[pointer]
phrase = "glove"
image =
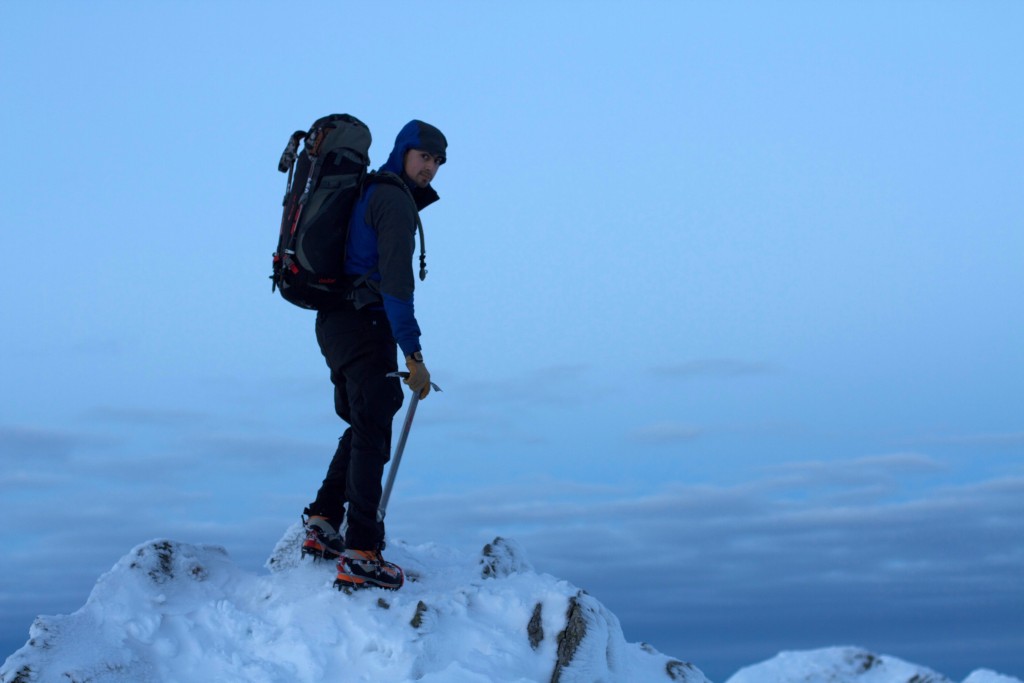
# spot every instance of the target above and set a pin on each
(419, 377)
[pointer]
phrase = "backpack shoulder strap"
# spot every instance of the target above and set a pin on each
(389, 178)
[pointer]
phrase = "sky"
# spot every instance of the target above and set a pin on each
(722, 300)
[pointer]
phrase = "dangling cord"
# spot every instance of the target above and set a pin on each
(419, 225)
(423, 249)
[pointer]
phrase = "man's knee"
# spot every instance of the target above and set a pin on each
(382, 399)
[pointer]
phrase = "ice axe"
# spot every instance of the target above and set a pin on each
(396, 459)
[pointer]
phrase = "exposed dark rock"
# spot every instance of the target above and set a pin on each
(866, 661)
(682, 671)
(570, 638)
(503, 557)
(24, 675)
(535, 629)
(163, 569)
(417, 618)
(162, 561)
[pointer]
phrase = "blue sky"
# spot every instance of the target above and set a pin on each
(723, 298)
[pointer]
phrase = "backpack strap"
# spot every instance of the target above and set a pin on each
(393, 179)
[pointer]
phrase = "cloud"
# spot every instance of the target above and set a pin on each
(714, 368)
(854, 476)
(27, 444)
(258, 450)
(99, 347)
(523, 409)
(88, 349)
(146, 417)
(552, 385)
(871, 465)
(987, 441)
(665, 432)
(20, 480)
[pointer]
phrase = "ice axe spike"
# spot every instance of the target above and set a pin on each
(396, 459)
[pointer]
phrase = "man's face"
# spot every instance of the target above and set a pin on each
(421, 167)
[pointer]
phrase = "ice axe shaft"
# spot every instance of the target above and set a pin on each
(396, 459)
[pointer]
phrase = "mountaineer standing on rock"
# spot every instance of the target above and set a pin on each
(359, 342)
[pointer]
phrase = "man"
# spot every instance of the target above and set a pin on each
(358, 342)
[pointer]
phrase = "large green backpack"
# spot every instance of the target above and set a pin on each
(324, 182)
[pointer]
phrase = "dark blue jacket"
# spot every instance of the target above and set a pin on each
(382, 236)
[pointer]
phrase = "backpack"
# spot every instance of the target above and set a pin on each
(324, 183)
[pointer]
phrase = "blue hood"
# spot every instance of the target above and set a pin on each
(415, 135)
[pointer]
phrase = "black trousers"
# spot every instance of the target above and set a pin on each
(360, 350)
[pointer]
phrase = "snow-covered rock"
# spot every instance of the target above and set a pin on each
(988, 676)
(848, 665)
(170, 611)
(835, 665)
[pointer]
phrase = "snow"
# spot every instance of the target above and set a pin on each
(849, 665)
(836, 665)
(171, 611)
(987, 676)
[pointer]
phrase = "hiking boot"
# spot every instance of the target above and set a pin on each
(366, 568)
(322, 540)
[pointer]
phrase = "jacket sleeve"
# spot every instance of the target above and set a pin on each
(393, 216)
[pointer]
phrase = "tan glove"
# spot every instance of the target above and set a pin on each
(419, 377)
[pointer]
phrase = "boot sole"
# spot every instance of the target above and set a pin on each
(349, 585)
(319, 553)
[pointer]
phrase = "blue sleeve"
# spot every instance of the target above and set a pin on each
(403, 323)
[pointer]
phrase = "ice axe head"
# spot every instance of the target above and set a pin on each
(405, 375)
